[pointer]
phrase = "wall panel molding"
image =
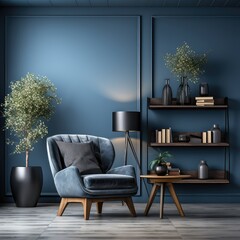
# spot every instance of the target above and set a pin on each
(219, 36)
(111, 59)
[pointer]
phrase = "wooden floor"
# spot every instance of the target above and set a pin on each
(202, 221)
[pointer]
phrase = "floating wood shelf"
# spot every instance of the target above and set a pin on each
(215, 177)
(156, 103)
(205, 181)
(186, 107)
(189, 144)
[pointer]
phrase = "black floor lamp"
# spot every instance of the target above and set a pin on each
(126, 122)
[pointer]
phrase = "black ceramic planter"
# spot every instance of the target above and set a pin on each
(26, 184)
(161, 170)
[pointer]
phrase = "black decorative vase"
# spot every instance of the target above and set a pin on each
(203, 170)
(203, 89)
(161, 170)
(216, 134)
(167, 94)
(183, 92)
(26, 184)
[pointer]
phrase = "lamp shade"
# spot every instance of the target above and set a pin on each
(125, 121)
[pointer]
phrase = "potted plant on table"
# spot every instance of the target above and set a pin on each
(159, 163)
(186, 65)
(26, 108)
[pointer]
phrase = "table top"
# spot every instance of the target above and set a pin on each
(152, 176)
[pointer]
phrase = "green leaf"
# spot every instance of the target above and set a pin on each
(160, 159)
(186, 63)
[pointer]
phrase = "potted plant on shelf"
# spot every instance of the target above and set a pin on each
(26, 108)
(186, 65)
(159, 163)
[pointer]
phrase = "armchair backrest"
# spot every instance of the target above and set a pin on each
(103, 148)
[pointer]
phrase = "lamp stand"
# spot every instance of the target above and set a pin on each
(128, 140)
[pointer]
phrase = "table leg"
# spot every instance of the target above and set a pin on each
(151, 198)
(175, 199)
(162, 199)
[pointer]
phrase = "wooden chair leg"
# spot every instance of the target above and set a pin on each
(87, 208)
(63, 205)
(99, 207)
(87, 203)
(130, 205)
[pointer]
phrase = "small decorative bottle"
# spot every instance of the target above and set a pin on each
(203, 89)
(187, 92)
(203, 170)
(216, 134)
(183, 92)
(179, 92)
(167, 94)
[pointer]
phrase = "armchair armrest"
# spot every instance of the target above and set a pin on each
(124, 170)
(71, 178)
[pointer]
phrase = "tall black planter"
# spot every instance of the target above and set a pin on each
(26, 184)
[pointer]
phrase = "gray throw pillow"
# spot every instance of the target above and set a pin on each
(80, 155)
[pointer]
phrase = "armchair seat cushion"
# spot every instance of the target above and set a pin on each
(108, 181)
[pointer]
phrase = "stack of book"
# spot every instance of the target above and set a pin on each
(204, 101)
(164, 135)
(207, 137)
(174, 171)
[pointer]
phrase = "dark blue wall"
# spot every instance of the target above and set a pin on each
(2, 84)
(104, 60)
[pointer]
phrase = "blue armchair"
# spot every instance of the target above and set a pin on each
(73, 186)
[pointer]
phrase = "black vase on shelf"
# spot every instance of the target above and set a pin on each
(161, 169)
(167, 94)
(216, 134)
(203, 170)
(179, 91)
(203, 89)
(183, 92)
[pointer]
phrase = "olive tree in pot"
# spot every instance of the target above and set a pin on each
(26, 108)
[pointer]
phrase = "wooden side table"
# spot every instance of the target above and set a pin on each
(161, 182)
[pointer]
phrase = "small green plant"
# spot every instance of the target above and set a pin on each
(26, 108)
(186, 63)
(160, 159)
